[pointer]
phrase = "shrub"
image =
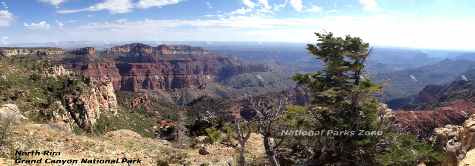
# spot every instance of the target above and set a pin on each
(214, 135)
(5, 132)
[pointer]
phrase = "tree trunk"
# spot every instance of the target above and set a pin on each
(242, 142)
(270, 151)
(242, 158)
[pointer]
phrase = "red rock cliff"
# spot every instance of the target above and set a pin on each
(137, 67)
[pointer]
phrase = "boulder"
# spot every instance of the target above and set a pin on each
(10, 112)
(123, 133)
(203, 151)
(458, 141)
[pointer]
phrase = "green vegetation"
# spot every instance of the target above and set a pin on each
(41, 98)
(405, 150)
(135, 121)
(214, 135)
(22, 83)
(343, 100)
(6, 126)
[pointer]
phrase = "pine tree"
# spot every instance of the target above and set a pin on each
(342, 101)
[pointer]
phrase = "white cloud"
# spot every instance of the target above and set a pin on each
(370, 5)
(264, 4)
(314, 9)
(241, 11)
(156, 3)
(374, 29)
(4, 40)
(249, 3)
(43, 25)
(260, 7)
(297, 5)
(113, 6)
(4, 5)
(123, 6)
(53, 2)
(277, 7)
(60, 24)
(6, 18)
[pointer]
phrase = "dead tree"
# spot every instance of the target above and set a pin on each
(268, 110)
(243, 133)
(180, 129)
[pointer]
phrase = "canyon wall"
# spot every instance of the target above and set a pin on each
(136, 67)
(139, 49)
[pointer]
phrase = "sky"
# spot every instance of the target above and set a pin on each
(439, 24)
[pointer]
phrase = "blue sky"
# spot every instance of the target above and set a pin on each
(443, 24)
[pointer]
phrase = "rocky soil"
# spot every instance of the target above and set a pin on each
(118, 144)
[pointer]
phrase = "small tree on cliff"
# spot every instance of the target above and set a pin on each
(269, 111)
(341, 99)
(179, 99)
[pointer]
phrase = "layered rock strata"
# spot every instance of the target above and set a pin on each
(138, 67)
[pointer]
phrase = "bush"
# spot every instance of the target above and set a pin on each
(172, 157)
(214, 135)
(407, 150)
(5, 132)
(134, 121)
(5, 129)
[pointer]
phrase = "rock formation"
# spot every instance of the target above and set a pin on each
(88, 51)
(10, 113)
(17, 51)
(137, 67)
(457, 142)
(139, 49)
(56, 71)
(86, 108)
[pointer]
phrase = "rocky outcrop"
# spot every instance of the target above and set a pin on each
(22, 51)
(86, 107)
(10, 113)
(457, 142)
(423, 122)
(56, 71)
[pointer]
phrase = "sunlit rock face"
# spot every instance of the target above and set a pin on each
(87, 107)
(135, 67)
(12, 51)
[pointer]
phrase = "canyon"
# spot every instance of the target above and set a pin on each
(438, 105)
(139, 67)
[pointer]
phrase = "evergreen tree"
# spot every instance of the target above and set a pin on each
(342, 102)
